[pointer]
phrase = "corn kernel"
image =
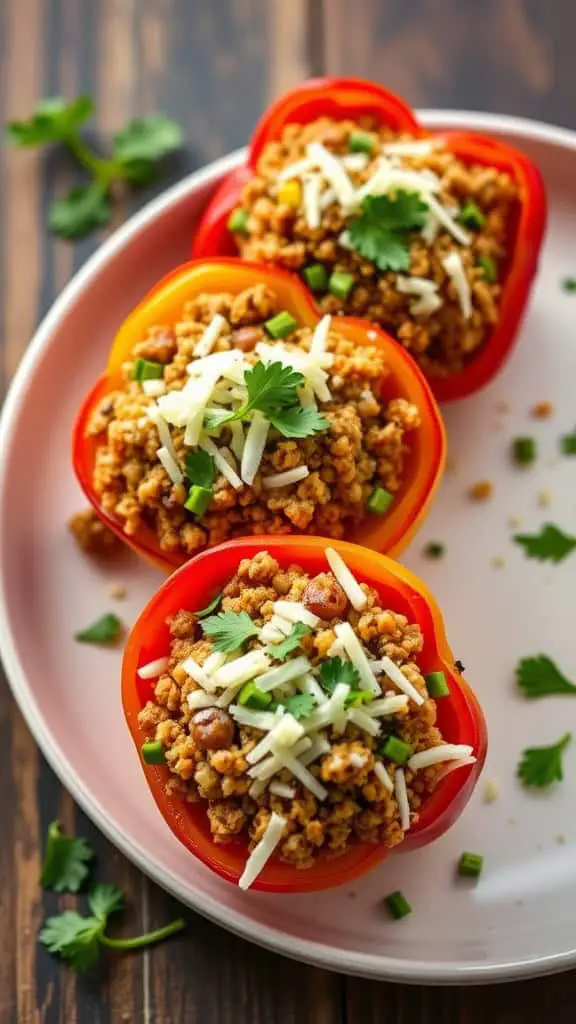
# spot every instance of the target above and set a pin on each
(290, 193)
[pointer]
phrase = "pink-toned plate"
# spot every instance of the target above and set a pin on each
(519, 920)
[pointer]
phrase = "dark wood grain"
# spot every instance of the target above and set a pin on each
(213, 66)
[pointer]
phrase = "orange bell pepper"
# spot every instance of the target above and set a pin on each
(424, 465)
(459, 718)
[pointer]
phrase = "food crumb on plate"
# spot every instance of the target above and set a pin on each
(544, 497)
(514, 522)
(491, 791)
(561, 838)
(451, 466)
(511, 820)
(498, 561)
(117, 591)
(542, 410)
(502, 406)
(91, 535)
(482, 490)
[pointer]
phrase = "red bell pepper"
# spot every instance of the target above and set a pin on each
(163, 305)
(350, 98)
(459, 715)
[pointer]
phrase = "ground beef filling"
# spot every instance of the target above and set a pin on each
(365, 446)
(206, 750)
(442, 342)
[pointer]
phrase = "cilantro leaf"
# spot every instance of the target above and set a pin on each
(301, 705)
(540, 677)
(334, 671)
(541, 766)
(200, 468)
(568, 444)
(146, 139)
(75, 938)
(210, 607)
(281, 650)
(52, 121)
(380, 233)
(229, 630)
(105, 900)
(298, 422)
(66, 860)
(550, 545)
(82, 209)
(272, 386)
(106, 630)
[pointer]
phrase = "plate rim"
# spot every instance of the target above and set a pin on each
(366, 965)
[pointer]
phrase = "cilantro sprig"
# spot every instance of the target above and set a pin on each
(551, 544)
(200, 468)
(540, 677)
(300, 705)
(381, 232)
(281, 650)
(541, 766)
(66, 861)
(136, 152)
(273, 391)
(229, 631)
(105, 630)
(334, 671)
(78, 938)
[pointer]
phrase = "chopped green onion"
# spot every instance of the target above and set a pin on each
(470, 865)
(523, 450)
(360, 142)
(434, 549)
(341, 284)
(198, 499)
(398, 905)
(316, 277)
(358, 697)
(379, 501)
(281, 325)
(238, 221)
(436, 684)
(251, 696)
(396, 750)
(153, 752)
(569, 284)
(568, 444)
(487, 264)
(106, 630)
(471, 215)
(145, 369)
(210, 607)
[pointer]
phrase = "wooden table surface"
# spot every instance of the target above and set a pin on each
(214, 65)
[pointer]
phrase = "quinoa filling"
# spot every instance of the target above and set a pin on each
(299, 710)
(236, 420)
(388, 227)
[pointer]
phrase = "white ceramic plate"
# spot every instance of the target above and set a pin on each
(521, 919)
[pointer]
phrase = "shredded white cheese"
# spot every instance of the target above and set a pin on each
(401, 794)
(345, 240)
(200, 699)
(268, 767)
(221, 463)
(454, 267)
(264, 720)
(154, 388)
(435, 755)
(397, 676)
(319, 746)
(214, 661)
(262, 851)
(327, 198)
(197, 673)
(285, 479)
(387, 706)
(447, 221)
(364, 721)
(170, 465)
(355, 652)
(294, 611)
(296, 170)
(299, 771)
(311, 188)
(347, 581)
(242, 669)
(333, 171)
(383, 777)
(269, 634)
(210, 336)
(320, 336)
(282, 789)
(333, 712)
(308, 684)
(451, 766)
(355, 161)
(153, 669)
(238, 439)
(254, 447)
(281, 624)
(416, 147)
(284, 673)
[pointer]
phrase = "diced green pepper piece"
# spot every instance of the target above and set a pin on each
(238, 221)
(471, 216)
(281, 325)
(198, 499)
(341, 284)
(153, 752)
(489, 267)
(524, 450)
(398, 905)
(316, 277)
(470, 865)
(436, 684)
(396, 750)
(251, 696)
(379, 501)
(145, 369)
(361, 142)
